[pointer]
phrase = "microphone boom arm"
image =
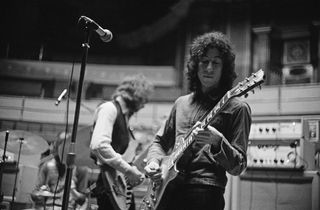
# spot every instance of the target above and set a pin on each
(105, 34)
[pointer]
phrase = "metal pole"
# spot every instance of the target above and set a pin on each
(71, 155)
(17, 171)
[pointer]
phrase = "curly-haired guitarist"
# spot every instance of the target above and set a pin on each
(217, 149)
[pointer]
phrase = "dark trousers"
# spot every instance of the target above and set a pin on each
(103, 199)
(195, 197)
(104, 203)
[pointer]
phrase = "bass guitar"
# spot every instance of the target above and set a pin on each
(153, 199)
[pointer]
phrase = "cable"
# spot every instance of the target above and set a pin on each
(67, 111)
(66, 129)
(251, 191)
(276, 195)
(251, 176)
(276, 181)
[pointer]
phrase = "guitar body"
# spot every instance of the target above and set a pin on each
(120, 194)
(157, 196)
(117, 188)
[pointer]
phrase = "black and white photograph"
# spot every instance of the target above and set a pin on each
(160, 105)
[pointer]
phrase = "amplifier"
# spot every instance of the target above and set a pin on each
(275, 145)
(24, 177)
(25, 182)
(275, 153)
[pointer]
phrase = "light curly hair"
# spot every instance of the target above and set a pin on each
(135, 90)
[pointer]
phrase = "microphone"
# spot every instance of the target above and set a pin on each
(64, 92)
(105, 34)
(294, 144)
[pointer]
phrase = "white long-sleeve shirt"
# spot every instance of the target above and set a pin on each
(104, 119)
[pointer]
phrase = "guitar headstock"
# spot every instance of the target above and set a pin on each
(242, 88)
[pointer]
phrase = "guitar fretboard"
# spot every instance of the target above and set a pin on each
(190, 137)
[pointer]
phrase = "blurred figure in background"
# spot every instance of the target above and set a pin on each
(48, 192)
(111, 136)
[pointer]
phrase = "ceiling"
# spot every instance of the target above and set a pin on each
(53, 26)
(141, 28)
(48, 20)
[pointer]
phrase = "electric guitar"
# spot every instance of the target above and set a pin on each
(154, 197)
(117, 187)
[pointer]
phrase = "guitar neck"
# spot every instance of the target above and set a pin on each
(190, 136)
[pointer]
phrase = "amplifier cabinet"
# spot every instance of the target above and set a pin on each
(26, 180)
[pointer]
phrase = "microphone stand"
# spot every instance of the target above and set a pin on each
(16, 176)
(70, 160)
(4, 157)
(3, 164)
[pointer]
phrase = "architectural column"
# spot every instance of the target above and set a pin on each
(261, 51)
(238, 28)
(316, 25)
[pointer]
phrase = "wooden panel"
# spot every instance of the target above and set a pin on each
(101, 74)
(268, 196)
(240, 24)
(44, 110)
(41, 104)
(272, 101)
(10, 114)
(285, 100)
(274, 189)
(26, 180)
(11, 101)
(7, 125)
(43, 117)
(300, 99)
(285, 190)
(264, 101)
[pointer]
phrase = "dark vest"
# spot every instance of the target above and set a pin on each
(121, 133)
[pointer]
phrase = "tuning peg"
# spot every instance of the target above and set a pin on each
(252, 91)
(246, 95)
(260, 87)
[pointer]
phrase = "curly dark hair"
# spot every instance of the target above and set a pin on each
(198, 49)
(135, 91)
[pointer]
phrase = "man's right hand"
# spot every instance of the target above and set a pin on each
(153, 170)
(134, 176)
